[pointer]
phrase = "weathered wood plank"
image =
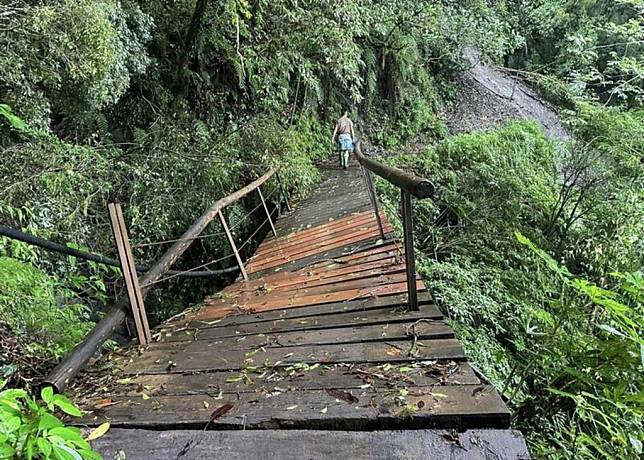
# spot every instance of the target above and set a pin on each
(312, 278)
(330, 229)
(358, 236)
(458, 407)
(159, 361)
(350, 248)
(426, 330)
(208, 330)
(310, 444)
(361, 305)
(386, 286)
(298, 377)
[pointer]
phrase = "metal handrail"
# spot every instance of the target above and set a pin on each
(81, 354)
(417, 186)
(409, 185)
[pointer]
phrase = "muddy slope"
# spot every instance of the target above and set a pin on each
(489, 97)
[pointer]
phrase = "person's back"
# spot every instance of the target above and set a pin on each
(345, 135)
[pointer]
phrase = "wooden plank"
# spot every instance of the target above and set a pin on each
(263, 296)
(457, 407)
(341, 319)
(160, 362)
(285, 257)
(318, 233)
(300, 300)
(359, 257)
(360, 305)
(302, 378)
(434, 329)
(233, 246)
(351, 248)
(311, 279)
(130, 275)
(142, 444)
(294, 250)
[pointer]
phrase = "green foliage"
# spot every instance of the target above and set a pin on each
(595, 46)
(30, 430)
(565, 349)
(41, 310)
(68, 57)
(593, 357)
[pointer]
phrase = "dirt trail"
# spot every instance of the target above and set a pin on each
(489, 97)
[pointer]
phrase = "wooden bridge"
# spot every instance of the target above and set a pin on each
(315, 355)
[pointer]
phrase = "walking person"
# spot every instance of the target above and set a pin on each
(345, 137)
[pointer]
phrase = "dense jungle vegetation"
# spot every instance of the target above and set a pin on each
(534, 246)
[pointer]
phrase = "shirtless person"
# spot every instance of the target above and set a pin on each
(344, 132)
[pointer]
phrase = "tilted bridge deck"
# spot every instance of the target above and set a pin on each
(317, 339)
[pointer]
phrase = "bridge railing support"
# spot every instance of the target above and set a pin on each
(80, 355)
(409, 185)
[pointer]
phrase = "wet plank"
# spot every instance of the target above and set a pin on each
(457, 407)
(384, 286)
(317, 339)
(202, 359)
(301, 377)
(429, 330)
(361, 305)
(311, 444)
(208, 330)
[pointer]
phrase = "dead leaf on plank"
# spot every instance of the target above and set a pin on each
(104, 403)
(220, 411)
(343, 395)
(393, 351)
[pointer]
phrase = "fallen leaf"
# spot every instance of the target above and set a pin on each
(104, 403)
(323, 411)
(210, 323)
(393, 351)
(221, 410)
(291, 407)
(206, 404)
(98, 432)
(145, 396)
(343, 395)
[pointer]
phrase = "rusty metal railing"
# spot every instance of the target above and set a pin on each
(80, 355)
(409, 185)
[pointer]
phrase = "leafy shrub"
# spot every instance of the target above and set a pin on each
(565, 349)
(29, 304)
(30, 430)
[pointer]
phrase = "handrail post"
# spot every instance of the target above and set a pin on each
(371, 191)
(268, 214)
(69, 367)
(284, 193)
(410, 260)
(129, 273)
(232, 245)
